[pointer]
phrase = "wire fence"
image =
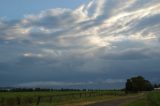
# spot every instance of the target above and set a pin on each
(37, 100)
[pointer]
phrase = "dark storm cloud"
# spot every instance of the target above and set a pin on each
(97, 45)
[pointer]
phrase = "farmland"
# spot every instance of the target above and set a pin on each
(77, 98)
(56, 98)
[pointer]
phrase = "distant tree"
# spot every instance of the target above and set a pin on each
(148, 86)
(155, 86)
(128, 85)
(136, 84)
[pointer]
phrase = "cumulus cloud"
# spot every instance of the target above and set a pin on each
(98, 39)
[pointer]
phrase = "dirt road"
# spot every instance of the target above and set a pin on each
(116, 102)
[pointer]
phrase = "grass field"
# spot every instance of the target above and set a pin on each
(154, 98)
(147, 99)
(56, 98)
(75, 98)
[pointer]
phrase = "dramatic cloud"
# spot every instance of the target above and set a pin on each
(104, 41)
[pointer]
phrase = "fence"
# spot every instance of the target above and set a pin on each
(37, 100)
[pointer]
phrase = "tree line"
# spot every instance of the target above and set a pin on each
(138, 84)
(134, 84)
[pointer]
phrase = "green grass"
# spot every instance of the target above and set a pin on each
(154, 98)
(56, 98)
(80, 102)
(148, 99)
(140, 102)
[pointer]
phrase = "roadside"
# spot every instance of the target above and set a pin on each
(86, 101)
(105, 101)
(148, 99)
(116, 102)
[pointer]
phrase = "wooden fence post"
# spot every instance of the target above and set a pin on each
(30, 100)
(100, 93)
(2, 102)
(80, 95)
(18, 101)
(50, 99)
(72, 95)
(38, 100)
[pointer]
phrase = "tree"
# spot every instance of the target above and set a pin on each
(128, 85)
(148, 86)
(136, 84)
(155, 86)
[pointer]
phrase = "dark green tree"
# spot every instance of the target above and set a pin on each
(128, 85)
(148, 86)
(155, 86)
(136, 84)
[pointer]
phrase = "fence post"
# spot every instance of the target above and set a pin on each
(115, 93)
(80, 95)
(30, 100)
(38, 100)
(50, 99)
(18, 101)
(2, 101)
(73, 95)
(100, 93)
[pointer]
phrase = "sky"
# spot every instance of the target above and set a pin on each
(16, 9)
(93, 44)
